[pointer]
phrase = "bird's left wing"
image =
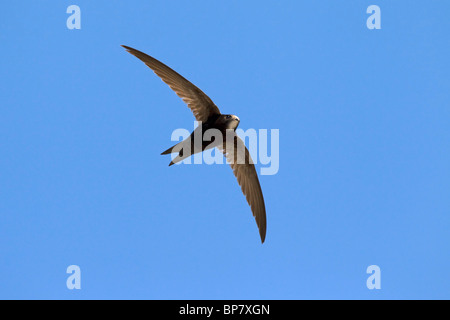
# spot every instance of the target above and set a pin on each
(199, 103)
(241, 162)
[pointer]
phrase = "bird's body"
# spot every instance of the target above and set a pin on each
(210, 118)
(189, 147)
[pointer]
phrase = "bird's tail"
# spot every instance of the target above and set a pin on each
(168, 151)
(178, 148)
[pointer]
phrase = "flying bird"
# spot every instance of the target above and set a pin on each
(208, 114)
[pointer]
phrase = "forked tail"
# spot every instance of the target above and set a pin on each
(168, 151)
(179, 150)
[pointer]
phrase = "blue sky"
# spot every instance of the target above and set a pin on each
(364, 174)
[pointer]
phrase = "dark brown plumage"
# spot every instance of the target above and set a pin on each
(207, 112)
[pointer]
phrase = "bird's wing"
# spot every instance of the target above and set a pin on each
(200, 104)
(241, 162)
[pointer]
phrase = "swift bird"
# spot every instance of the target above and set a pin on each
(208, 114)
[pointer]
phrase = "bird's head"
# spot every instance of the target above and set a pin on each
(229, 121)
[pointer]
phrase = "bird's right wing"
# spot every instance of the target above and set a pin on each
(241, 162)
(200, 104)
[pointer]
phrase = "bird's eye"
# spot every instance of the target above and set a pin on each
(228, 117)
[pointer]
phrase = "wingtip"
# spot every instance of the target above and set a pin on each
(262, 234)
